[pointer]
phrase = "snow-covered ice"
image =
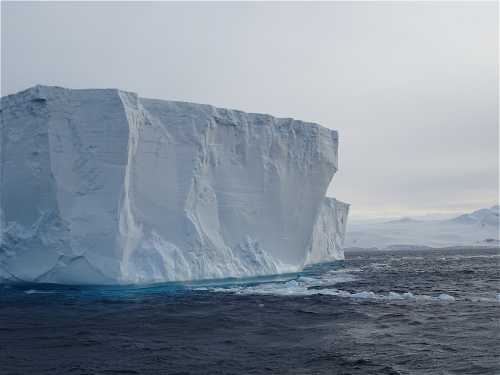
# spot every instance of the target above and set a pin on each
(478, 228)
(102, 186)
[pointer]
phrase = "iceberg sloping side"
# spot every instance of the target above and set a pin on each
(101, 186)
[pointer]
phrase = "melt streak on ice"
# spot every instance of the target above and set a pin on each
(102, 186)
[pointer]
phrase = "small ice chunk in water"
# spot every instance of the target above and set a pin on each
(364, 295)
(446, 297)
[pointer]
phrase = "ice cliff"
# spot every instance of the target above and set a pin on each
(102, 186)
(328, 232)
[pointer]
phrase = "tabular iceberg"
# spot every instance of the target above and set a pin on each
(102, 186)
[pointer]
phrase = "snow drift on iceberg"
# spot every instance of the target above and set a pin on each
(101, 186)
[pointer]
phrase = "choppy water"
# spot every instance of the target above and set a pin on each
(420, 312)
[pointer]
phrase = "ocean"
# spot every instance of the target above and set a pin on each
(411, 312)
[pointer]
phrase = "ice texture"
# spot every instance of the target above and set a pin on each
(102, 186)
(329, 232)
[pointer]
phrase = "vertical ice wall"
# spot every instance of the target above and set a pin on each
(102, 186)
(64, 154)
(329, 232)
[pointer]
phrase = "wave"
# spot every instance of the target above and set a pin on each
(322, 285)
(34, 291)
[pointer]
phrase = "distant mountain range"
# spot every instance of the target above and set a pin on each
(483, 217)
(477, 228)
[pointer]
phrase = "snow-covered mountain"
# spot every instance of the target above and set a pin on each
(102, 186)
(483, 218)
(478, 228)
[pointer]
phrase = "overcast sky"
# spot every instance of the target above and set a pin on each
(412, 88)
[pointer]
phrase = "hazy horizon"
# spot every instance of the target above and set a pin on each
(412, 88)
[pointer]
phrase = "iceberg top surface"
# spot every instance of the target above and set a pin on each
(43, 92)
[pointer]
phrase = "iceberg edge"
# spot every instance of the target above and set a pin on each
(100, 186)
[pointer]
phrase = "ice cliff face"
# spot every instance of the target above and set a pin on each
(329, 232)
(101, 186)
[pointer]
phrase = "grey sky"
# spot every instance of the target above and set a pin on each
(412, 88)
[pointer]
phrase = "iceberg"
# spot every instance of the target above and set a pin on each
(100, 186)
(329, 232)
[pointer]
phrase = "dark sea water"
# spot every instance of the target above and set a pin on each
(412, 312)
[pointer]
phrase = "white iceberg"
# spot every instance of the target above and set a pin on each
(101, 186)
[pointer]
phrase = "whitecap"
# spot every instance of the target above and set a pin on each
(446, 297)
(365, 295)
(33, 291)
(401, 296)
